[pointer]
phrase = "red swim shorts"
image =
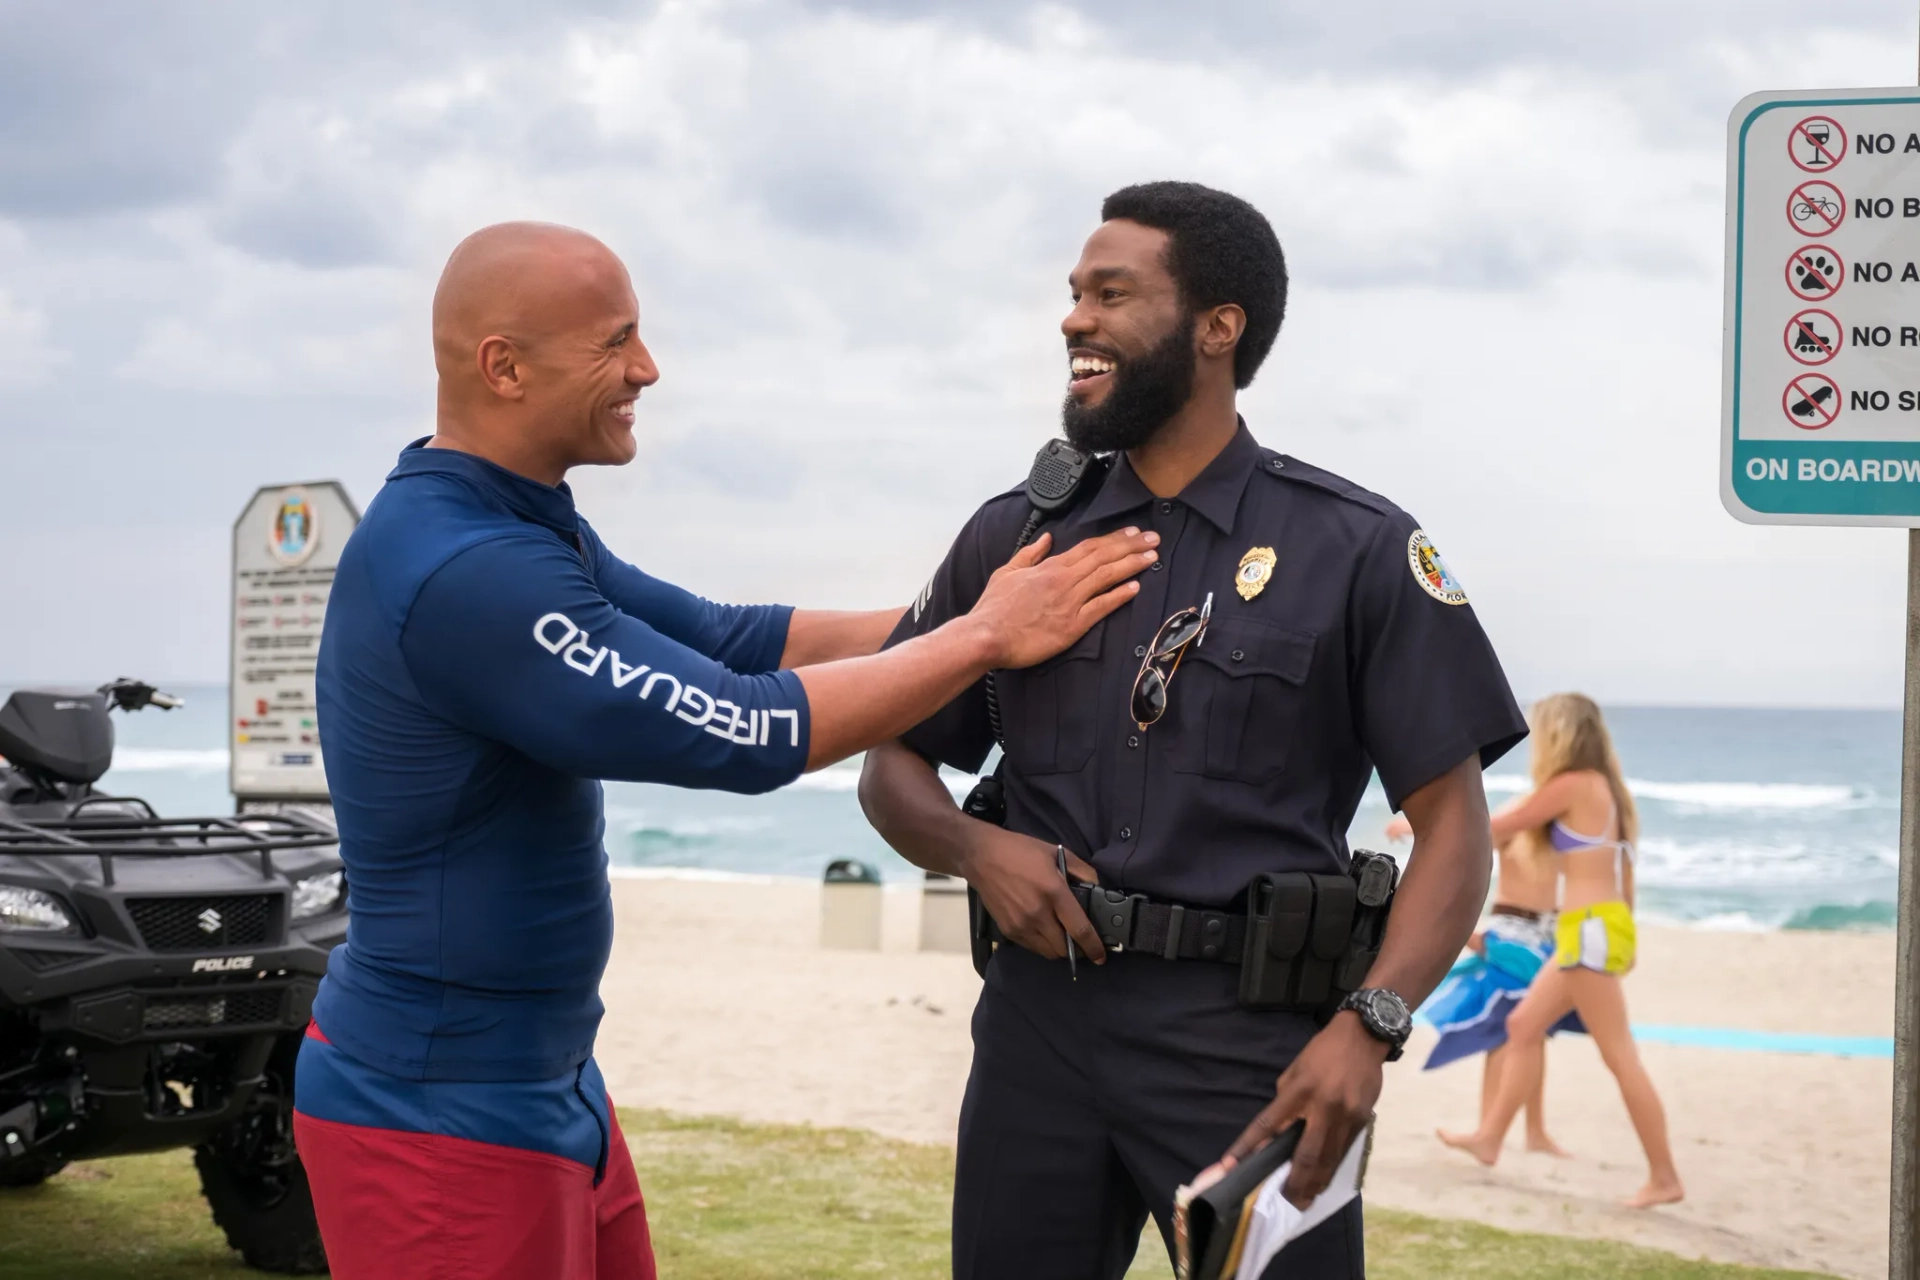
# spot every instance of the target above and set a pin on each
(395, 1205)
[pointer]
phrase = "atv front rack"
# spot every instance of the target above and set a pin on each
(117, 835)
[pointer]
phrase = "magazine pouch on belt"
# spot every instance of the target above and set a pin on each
(1299, 929)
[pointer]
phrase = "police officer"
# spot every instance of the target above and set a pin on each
(1296, 634)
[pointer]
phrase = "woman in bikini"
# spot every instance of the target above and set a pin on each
(1581, 808)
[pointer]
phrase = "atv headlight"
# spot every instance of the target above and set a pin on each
(316, 894)
(33, 911)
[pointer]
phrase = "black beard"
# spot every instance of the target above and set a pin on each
(1147, 391)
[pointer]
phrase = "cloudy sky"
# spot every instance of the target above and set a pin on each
(850, 224)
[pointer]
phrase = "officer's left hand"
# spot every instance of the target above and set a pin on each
(1332, 1085)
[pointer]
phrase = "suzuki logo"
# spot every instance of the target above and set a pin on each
(209, 921)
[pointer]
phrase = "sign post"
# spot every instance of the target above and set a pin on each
(286, 546)
(1820, 414)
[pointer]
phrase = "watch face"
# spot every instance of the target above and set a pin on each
(1390, 1011)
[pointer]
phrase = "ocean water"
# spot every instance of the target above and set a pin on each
(1751, 819)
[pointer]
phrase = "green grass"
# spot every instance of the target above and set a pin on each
(731, 1201)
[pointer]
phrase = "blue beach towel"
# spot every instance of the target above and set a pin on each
(1471, 1005)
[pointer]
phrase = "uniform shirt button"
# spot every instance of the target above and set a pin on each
(1158, 565)
(1126, 833)
(1139, 651)
(1133, 739)
(1166, 508)
(1239, 654)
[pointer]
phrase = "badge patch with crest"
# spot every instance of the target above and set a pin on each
(1431, 572)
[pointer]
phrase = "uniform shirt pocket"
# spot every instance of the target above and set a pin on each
(1253, 679)
(1047, 712)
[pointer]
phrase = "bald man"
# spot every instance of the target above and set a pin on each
(486, 660)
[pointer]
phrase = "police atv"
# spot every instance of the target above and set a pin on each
(156, 975)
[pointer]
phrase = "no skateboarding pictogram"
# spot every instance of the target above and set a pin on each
(1815, 273)
(1811, 401)
(1816, 208)
(1813, 336)
(1817, 144)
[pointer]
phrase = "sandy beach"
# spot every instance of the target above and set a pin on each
(721, 1001)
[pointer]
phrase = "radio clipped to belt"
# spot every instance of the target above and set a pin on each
(1311, 939)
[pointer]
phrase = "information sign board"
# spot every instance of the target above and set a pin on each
(1820, 403)
(286, 545)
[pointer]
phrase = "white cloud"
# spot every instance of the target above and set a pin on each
(27, 355)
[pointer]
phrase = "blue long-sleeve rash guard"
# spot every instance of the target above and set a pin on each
(485, 661)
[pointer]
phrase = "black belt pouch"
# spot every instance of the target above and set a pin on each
(1299, 928)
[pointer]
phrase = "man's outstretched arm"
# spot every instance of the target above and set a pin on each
(827, 635)
(1033, 607)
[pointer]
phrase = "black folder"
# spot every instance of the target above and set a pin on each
(1215, 1219)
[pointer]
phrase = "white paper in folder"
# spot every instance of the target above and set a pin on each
(1275, 1221)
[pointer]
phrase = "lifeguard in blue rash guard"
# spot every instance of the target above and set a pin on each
(486, 661)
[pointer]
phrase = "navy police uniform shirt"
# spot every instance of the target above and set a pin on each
(485, 660)
(1355, 651)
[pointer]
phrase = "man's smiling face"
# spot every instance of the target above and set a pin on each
(593, 371)
(1130, 352)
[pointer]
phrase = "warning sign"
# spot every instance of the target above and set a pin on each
(1820, 418)
(1817, 208)
(1815, 272)
(286, 545)
(1812, 401)
(1813, 336)
(1817, 143)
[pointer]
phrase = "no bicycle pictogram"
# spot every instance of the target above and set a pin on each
(1813, 336)
(1817, 144)
(1811, 401)
(1815, 273)
(1816, 208)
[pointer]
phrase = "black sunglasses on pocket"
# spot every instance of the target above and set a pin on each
(1187, 627)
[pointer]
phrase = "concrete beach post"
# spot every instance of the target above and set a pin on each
(1903, 1252)
(1903, 1262)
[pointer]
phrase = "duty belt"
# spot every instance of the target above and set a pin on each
(1170, 930)
(1302, 940)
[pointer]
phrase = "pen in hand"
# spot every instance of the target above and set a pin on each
(1073, 952)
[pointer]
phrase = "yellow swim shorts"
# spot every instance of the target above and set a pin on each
(1600, 937)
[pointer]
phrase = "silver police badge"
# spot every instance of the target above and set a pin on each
(1255, 568)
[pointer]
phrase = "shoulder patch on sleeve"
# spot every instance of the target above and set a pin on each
(1431, 572)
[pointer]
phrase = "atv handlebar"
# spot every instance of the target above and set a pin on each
(131, 695)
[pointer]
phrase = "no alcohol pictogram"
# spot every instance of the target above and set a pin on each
(1811, 401)
(1815, 273)
(1817, 144)
(1813, 336)
(1816, 208)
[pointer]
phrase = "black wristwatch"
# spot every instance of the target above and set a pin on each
(1385, 1016)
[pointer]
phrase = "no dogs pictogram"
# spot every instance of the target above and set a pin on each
(1816, 208)
(1817, 144)
(1813, 336)
(1815, 273)
(1811, 401)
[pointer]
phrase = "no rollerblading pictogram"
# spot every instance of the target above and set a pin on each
(1813, 336)
(1817, 144)
(1816, 208)
(1811, 401)
(1815, 273)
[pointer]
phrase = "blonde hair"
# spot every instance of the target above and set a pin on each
(1570, 733)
